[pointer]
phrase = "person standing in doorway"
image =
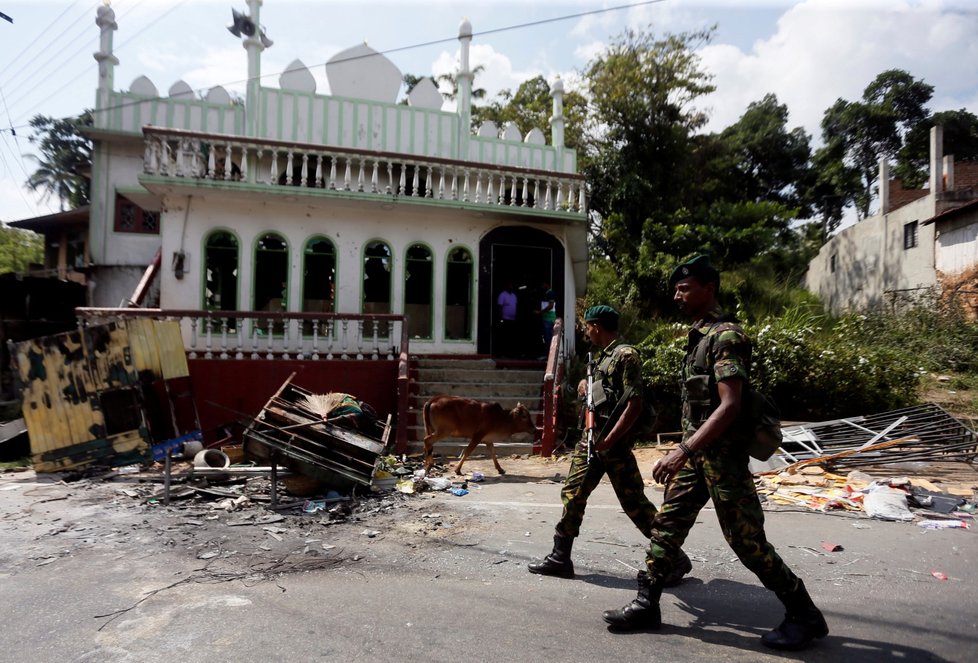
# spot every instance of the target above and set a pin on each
(506, 304)
(548, 314)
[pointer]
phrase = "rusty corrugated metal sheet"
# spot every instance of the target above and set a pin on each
(157, 347)
(173, 357)
(143, 345)
(82, 397)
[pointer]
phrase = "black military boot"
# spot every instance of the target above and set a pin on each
(558, 563)
(679, 571)
(643, 612)
(803, 622)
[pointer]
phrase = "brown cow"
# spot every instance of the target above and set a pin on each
(446, 416)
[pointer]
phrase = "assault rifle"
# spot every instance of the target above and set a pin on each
(590, 422)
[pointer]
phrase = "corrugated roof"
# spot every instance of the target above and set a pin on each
(954, 212)
(79, 215)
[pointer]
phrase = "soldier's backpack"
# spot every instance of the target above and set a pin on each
(762, 419)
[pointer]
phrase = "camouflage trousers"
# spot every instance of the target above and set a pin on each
(622, 469)
(720, 473)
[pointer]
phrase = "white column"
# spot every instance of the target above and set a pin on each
(254, 46)
(464, 79)
(557, 122)
(949, 172)
(936, 159)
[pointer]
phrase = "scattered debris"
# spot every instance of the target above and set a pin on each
(896, 498)
(887, 504)
(943, 524)
(921, 433)
(438, 483)
(813, 455)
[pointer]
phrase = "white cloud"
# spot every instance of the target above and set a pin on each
(822, 51)
(587, 52)
(201, 69)
(498, 74)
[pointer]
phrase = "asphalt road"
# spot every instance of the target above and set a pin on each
(90, 575)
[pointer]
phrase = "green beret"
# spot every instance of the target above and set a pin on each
(698, 267)
(605, 316)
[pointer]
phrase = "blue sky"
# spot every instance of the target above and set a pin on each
(808, 52)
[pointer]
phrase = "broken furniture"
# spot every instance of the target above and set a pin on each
(115, 393)
(921, 433)
(287, 432)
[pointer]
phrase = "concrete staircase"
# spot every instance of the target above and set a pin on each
(479, 379)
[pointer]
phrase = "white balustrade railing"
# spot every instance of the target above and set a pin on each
(280, 335)
(184, 154)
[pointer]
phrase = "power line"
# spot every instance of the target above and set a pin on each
(435, 42)
(19, 161)
(32, 65)
(37, 40)
(148, 25)
(152, 23)
(86, 40)
(14, 134)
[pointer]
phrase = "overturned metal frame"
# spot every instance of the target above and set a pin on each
(921, 433)
(287, 432)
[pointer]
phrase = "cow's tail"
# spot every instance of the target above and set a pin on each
(427, 418)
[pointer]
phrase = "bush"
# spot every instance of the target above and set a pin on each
(814, 371)
(934, 332)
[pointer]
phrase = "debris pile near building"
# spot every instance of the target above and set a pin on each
(922, 433)
(895, 498)
(820, 467)
(288, 431)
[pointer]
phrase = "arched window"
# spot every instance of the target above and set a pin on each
(418, 281)
(220, 272)
(378, 260)
(318, 280)
(319, 276)
(271, 287)
(377, 263)
(458, 295)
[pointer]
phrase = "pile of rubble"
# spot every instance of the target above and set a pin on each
(899, 498)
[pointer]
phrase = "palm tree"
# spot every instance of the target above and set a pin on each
(451, 79)
(66, 156)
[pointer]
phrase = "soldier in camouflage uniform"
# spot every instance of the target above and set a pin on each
(618, 371)
(711, 463)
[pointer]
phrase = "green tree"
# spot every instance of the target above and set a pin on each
(833, 188)
(531, 106)
(19, 248)
(637, 151)
(769, 160)
(451, 80)
(863, 132)
(66, 157)
(750, 184)
(960, 139)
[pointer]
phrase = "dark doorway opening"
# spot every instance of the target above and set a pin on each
(527, 258)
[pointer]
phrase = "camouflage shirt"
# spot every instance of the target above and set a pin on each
(619, 368)
(717, 349)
